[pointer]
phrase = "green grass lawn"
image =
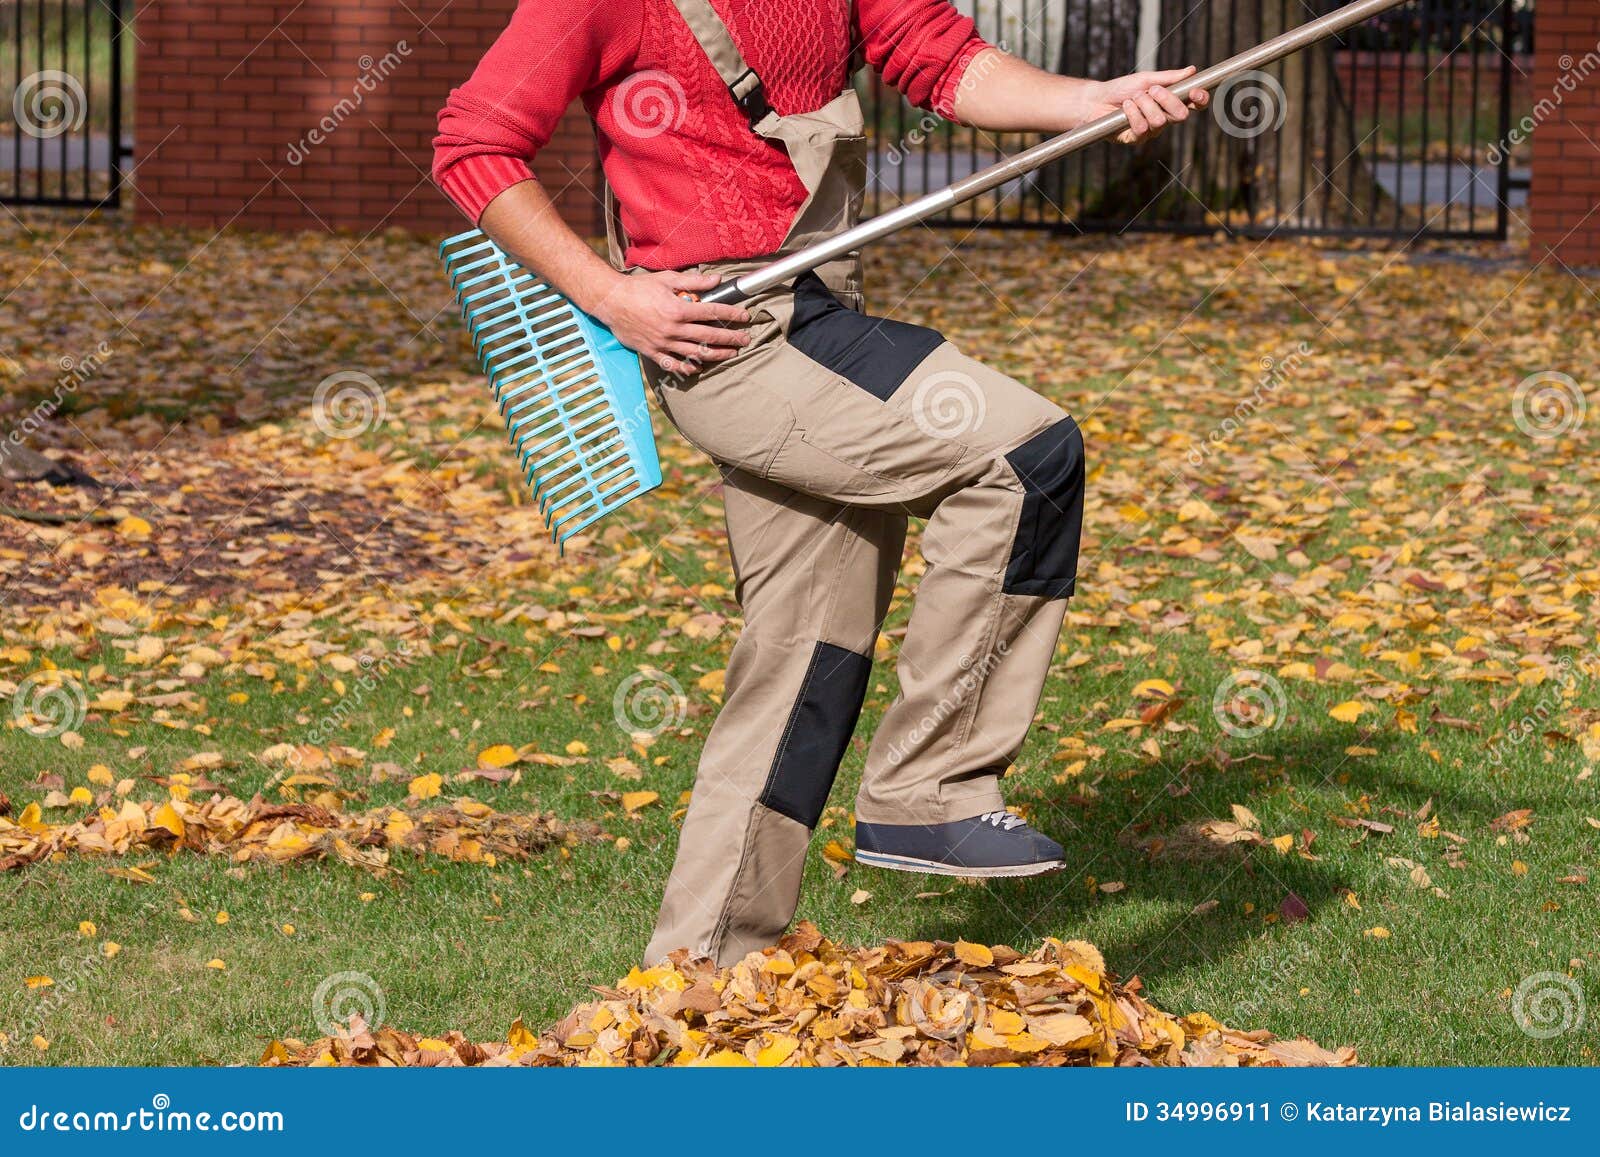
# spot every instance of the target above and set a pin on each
(1376, 530)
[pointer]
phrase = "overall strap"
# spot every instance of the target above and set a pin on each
(717, 42)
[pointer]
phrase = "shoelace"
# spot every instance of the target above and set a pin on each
(1003, 820)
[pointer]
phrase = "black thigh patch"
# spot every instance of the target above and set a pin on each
(818, 730)
(876, 354)
(1044, 556)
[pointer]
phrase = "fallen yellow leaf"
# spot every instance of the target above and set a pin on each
(779, 1050)
(977, 955)
(500, 755)
(632, 801)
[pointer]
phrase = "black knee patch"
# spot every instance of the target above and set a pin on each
(1044, 555)
(818, 730)
(876, 354)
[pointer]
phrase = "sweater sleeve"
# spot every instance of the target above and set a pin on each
(921, 47)
(491, 127)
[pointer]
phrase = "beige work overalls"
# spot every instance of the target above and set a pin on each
(831, 428)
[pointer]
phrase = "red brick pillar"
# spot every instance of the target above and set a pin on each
(1564, 201)
(319, 114)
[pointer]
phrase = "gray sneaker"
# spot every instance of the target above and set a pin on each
(993, 844)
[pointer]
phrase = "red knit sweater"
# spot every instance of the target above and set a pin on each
(695, 184)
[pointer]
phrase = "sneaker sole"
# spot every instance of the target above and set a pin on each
(933, 868)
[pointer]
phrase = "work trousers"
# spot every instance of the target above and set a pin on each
(831, 429)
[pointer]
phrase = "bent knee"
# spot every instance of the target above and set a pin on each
(1049, 466)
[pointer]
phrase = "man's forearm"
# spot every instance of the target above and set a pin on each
(1003, 94)
(525, 223)
(1000, 93)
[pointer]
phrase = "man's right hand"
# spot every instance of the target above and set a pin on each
(647, 314)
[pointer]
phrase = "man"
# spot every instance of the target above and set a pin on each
(728, 133)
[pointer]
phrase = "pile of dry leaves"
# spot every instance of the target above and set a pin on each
(256, 831)
(811, 1002)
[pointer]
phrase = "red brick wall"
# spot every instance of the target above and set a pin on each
(229, 91)
(1564, 202)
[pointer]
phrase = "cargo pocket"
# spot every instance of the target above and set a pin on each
(847, 444)
(730, 413)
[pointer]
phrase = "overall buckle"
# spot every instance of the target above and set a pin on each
(751, 96)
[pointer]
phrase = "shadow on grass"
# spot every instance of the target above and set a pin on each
(1144, 835)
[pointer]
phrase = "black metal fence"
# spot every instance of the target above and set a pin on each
(1399, 128)
(64, 69)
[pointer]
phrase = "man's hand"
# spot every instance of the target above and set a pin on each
(1146, 99)
(645, 312)
(678, 334)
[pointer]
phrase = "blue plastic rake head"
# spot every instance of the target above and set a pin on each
(572, 395)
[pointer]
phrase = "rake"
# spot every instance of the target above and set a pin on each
(573, 396)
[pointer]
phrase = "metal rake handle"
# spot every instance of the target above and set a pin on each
(913, 212)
